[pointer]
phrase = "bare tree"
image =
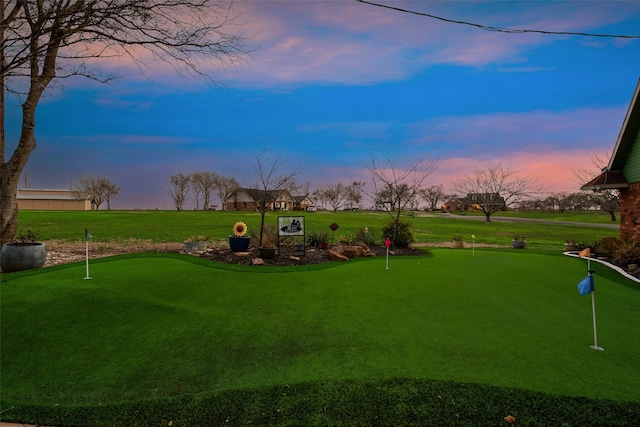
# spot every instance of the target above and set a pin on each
(319, 196)
(353, 192)
(432, 195)
(335, 195)
(494, 188)
(47, 40)
(178, 188)
(225, 186)
(110, 193)
(98, 189)
(608, 199)
(299, 190)
(195, 188)
(202, 184)
(273, 178)
(399, 184)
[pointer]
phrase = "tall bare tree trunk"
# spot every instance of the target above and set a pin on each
(2, 81)
(38, 29)
(12, 169)
(8, 207)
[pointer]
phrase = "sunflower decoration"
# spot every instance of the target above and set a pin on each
(239, 229)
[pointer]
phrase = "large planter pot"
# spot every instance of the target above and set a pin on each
(518, 244)
(267, 253)
(239, 244)
(195, 247)
(22, 256)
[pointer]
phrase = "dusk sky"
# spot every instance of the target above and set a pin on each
(329, 84)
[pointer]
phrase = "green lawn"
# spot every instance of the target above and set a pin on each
(173, 226)
(444, 339)
(147, 330)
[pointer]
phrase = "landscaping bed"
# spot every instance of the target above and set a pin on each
(68, 252)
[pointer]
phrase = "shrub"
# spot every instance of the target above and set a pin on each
(627, 252)
(26, 237)
(368, 236)
(404, 237)
(607, 246)
(269, 236)
(346, 239)
(584, 245)
(288, 242)
(197, 238)
(315, 238)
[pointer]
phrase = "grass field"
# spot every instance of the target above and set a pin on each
(443, 339)
(172, 226)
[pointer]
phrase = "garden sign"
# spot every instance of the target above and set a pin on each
(292, 226)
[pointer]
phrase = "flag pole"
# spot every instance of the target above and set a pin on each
(387, 267)
(586, 252)
(387, 243)
(86, 244)
(593, 312)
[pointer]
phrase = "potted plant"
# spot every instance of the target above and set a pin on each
(238, 242)
(269, 242)
(196, 243)
(457, 241)
(24, 253)
(519, 242)
(318, 239)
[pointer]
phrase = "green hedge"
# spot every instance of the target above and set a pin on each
(388, 402)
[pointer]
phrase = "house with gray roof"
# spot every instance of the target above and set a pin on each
(623, 171)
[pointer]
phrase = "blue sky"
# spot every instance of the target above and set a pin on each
(330, 84)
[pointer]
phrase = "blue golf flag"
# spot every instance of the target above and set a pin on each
(586, 285)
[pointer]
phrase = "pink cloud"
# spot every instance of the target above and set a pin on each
(354, 43)
(552, 170)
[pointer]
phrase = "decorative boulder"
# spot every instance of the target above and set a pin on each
(335, 256)
(353, 251)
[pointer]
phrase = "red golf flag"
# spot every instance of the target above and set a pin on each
(387, 242)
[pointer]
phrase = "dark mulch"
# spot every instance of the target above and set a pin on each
(289, 256)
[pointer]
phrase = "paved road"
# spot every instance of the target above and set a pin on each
(505, 219)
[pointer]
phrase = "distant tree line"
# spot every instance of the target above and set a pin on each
(199, 187)
(578, 201)
(396, 187)
(97, 189)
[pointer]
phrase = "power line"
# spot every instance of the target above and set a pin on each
(499, 29)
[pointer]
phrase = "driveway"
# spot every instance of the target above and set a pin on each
(504, 219)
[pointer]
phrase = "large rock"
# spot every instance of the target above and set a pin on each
(335, 256)
(353, 251)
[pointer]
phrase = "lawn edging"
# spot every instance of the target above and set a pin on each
(613, 267)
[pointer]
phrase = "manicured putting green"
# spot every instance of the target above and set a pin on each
(157, 326)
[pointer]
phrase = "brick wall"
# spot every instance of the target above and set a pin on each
(630, 211)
